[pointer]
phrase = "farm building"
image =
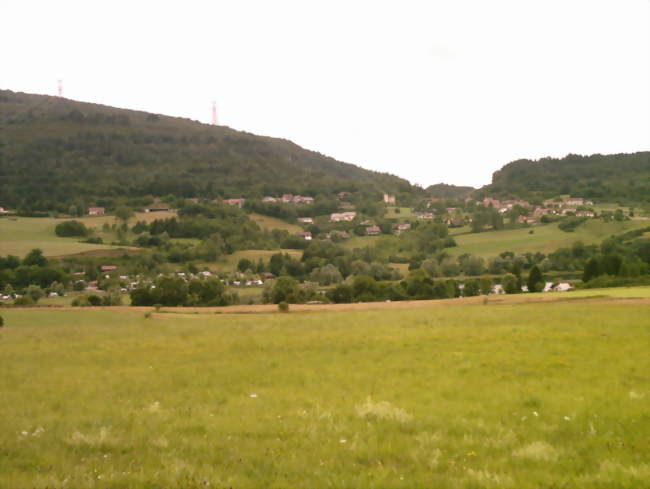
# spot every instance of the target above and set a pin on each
(238, 202)
(343, 216)
(402, 227)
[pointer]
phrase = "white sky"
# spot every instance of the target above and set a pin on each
(433, 91)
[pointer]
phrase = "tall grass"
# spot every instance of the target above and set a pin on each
(497, 396)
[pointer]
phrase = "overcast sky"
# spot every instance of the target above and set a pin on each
(433, 91)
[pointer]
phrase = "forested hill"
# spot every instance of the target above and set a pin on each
(618, 177)
(446, 191)
(54, 151)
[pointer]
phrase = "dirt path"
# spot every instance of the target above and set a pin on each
(364, 306)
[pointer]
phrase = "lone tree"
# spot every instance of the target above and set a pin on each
(510, 284)
(36, 258)
(535, 280)
(592, 270)
(124, 213)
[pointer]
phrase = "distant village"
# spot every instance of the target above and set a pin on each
(348, 222)
(430, 209)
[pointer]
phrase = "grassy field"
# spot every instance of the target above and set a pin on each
(498, 396)
(19, 236)
(98, 221)
(360, 241)
(403, 214)
(270, 223)
(546, 238)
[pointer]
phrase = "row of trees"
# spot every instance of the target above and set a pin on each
(176, 291)
(33, 269)
(419, 285)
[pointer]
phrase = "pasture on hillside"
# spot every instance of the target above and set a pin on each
(148, 217)
(270, 223)
(465, 396)
(20, 235)
(545, 238)
(400, 213)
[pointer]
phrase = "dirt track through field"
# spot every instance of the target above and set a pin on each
(364, 306)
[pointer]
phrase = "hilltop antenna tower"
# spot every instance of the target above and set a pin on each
(60, 87)
(214, 114)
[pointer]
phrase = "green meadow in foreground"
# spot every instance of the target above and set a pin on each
(548, 396)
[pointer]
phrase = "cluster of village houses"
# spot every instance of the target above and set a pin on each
(453, 215)
(564, 206)
(561, 207)
(285, 199)
(111, 271)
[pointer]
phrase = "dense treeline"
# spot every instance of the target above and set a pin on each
(221, 229)
(176, 291)
(16, 274)
(610, 178)
(57, 152)
(446, 191)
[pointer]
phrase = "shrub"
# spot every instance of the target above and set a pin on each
(24, 301)
(604, 281)
(2, 322)
(485, 284)
(95, 240)
(510, 284)
(283, 307)
(87, 300)
(342, 293)
(34, 292)
(535, 280)
(569, 224)
(472, 288)
(80, 301)
(71, 228)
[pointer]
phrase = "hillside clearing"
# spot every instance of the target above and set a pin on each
(270, 223)
(20, 235)
(545, 238)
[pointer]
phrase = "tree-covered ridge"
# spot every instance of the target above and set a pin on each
(446, 191)
(55, 151)
(617, 177)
